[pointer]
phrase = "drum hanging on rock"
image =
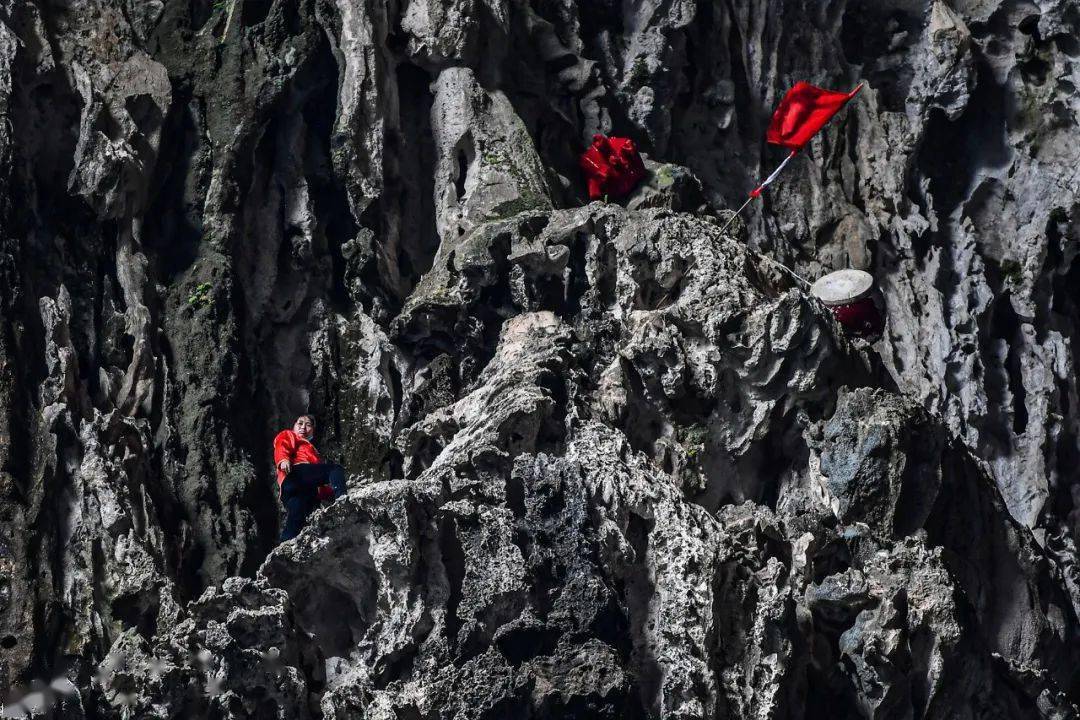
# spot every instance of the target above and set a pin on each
(850, 294)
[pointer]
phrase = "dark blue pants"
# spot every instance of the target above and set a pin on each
(299, 493)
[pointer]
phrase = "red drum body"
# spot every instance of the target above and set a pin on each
(860, 318)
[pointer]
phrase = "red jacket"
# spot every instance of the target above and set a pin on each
(290, 446)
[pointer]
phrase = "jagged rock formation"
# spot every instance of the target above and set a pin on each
(606, 460)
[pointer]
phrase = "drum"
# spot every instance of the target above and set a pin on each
(850, 295)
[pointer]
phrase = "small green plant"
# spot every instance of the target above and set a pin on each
(200, 296)
(527, 200)
(696, 434)
(220, 5)
(664, 178)
(694, 439)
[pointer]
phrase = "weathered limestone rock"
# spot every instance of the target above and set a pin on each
(868, 433)
(606, 460)
(487, 166)
(119, 135)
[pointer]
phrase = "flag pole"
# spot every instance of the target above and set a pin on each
(736, 214)
(756, 192)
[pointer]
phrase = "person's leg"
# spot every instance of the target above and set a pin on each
(336, 478)
(315, 474)
(308, 475)
(299, 502)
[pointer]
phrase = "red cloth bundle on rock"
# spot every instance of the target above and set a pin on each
(612, 166)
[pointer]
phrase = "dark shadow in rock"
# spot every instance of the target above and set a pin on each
(254, 12)
(138, 611)
(579, 284)
(781, 458)
(644, 424)
(326, 189)
(1005, 326)
(639, 591)
(829, 696)
(551, 437)
(412, 184)
(592, 707)
(869, 37)
(453, 560)
(955, 151)
(45, 117)
(172, 232)
(525, 641)
(395, 666)
(338, 601)
(1062, 283)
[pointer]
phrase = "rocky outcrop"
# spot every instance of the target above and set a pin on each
(606, 459)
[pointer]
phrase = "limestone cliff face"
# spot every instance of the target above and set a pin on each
(606, 460)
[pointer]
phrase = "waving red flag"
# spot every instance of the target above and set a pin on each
(803, 111)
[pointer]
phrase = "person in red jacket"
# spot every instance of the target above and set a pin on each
(302, 477)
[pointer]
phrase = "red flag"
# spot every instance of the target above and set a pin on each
(803, 111)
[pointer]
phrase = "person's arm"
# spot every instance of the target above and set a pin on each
(284, 447)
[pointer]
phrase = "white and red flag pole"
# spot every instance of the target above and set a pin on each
(804, 110)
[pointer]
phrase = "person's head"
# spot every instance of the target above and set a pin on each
(304, 426)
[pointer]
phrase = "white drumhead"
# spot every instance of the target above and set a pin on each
(842, 287)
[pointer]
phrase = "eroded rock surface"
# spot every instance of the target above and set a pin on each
(606, 459)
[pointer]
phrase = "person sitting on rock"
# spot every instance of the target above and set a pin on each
(303, 478)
